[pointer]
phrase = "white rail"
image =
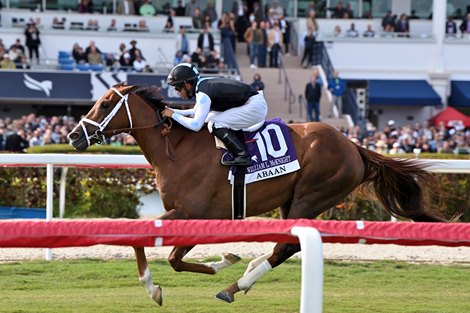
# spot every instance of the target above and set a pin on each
(310, 239)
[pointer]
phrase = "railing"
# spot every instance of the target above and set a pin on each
(289, 94)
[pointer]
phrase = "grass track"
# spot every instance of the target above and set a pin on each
(112, 286)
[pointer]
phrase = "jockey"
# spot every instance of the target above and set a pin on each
(227, 105)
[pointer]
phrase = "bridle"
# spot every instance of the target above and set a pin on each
(99, 134)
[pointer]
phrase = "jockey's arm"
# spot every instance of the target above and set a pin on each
(201, 110)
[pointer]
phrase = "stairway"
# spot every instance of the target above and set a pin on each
(274, 91)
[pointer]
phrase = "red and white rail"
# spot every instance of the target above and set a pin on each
(72, 233)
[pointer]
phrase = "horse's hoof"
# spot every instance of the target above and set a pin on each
(157, 294)
(225, 296)
(231, 258)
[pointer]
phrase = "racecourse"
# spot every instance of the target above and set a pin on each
(349, 287)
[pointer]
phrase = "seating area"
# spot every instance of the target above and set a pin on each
(66, 62)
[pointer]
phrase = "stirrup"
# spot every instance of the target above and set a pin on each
(246, 162)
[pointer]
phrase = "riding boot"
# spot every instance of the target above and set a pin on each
(234, 145)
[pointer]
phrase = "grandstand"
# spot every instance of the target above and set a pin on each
(389, 75)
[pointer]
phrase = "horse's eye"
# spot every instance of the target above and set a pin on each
(104, 105)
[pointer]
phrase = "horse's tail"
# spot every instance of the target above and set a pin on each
(399, 184)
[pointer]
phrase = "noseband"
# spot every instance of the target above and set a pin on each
(98, 135)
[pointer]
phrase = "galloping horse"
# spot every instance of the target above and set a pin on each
(193, 184)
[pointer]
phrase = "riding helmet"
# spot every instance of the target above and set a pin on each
(183, 72)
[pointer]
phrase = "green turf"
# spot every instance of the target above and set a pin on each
(112, 286)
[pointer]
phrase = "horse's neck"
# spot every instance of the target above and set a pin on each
(158, 149)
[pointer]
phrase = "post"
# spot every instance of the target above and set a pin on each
(49, 200)
(63, 184)
(311, 298)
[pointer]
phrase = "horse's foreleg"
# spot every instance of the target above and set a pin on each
(266, 262)
(176, 260)
(145, 277)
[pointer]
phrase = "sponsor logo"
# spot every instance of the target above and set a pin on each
(44, 86)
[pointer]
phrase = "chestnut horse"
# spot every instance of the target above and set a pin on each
(193, 184)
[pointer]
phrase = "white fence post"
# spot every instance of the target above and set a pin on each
(311, 298)
(49, 200)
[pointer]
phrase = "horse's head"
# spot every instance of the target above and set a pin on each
(112, 113)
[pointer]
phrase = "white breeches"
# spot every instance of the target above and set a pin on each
(248, 117)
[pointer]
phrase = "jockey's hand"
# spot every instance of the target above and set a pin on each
(167, 112)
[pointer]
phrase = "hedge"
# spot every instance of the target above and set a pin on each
(114, 193)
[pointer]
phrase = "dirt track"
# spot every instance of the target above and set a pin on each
(427, 254)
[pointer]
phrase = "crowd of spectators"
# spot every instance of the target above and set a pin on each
(32, 130)
(397, 139)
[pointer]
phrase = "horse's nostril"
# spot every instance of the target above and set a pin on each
(73, 136)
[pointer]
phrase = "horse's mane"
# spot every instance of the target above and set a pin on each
(153, 95)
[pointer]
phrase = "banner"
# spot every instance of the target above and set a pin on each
(45, 85)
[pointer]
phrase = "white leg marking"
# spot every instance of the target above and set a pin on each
(252, 276)
(227, 260)
(147, 281)
(255, 262)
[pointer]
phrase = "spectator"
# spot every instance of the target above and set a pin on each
(89, 48)
(284, 25)
(169, 22)
(258, 12)
(13, 53)
(257, 82)
(451, 27)
(274, 44)
(210, 12)
(21, 62)
(182, 42)
(402, 26)
(239, 14)
(369, 31)
(15, 140)
(112, 26)
(388, 22)
(147, 9)
(313, 91)
(337, 31)
(112, 62)
(92, 24)
(6, 63)
(337, 87)
(180, 9)
(308, 40)
(191, 8)
(142, 26)
(125, 62)
(94, 56)
(197, 58)
(133, 51)
(19, 47)
(78, 54)
(197, 19)
(338, 11)
(32, 41)
(263, 46)
(465, 25)
(85, 6)
(396, 149)
(205, 40)
(139, 63)
(352, 32)
(253, 36)
(126, 7)
(310, 9)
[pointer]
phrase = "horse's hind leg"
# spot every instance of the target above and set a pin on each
(281, 252)
(176, 260)
(145, 277)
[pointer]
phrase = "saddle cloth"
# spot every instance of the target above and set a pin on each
(272, 153)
